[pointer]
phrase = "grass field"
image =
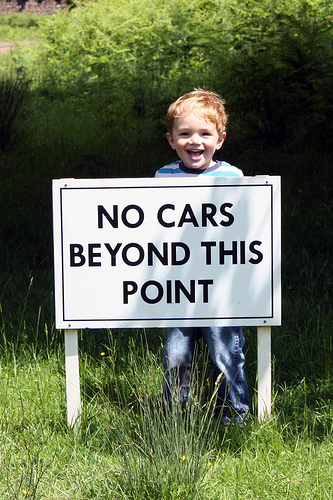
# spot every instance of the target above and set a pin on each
(18, 27)
(130, 449)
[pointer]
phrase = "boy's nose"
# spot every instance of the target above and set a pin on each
(195, 139)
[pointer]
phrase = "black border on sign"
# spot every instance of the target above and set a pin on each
(151, 321)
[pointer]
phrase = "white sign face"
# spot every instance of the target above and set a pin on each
(167, 252)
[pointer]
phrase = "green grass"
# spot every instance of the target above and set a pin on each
(130, 449)
(19, 27)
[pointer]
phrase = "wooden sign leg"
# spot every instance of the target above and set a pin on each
(73, 396)
(264, 371)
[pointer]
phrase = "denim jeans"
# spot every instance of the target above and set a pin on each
(225, 347)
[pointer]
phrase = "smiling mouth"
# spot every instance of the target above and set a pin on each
(195, 154)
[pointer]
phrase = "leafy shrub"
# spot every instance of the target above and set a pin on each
(272, 61)
(138, 53)
(279, 72)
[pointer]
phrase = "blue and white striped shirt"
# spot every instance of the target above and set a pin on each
(219, 169)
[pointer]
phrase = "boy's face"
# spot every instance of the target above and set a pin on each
(195, 141)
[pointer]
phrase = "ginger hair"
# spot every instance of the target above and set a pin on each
(204, 104)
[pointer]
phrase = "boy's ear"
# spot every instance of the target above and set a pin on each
(221, 140)
(171, 141)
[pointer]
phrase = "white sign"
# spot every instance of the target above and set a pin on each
(167, 252)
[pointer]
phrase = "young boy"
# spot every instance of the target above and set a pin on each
(196, 124)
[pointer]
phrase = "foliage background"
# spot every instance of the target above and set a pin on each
(89, 101)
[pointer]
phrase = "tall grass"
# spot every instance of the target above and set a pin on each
(132, 447)
(165, 452)
(13, 97)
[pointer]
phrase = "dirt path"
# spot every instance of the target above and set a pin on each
(7, 46)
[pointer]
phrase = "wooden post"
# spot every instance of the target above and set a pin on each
(264, 371)
(73, 395)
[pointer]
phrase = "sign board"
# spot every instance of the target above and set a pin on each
(167, 252)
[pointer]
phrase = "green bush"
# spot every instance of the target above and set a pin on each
(137, 53)
(279, 72)
(272, 61)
